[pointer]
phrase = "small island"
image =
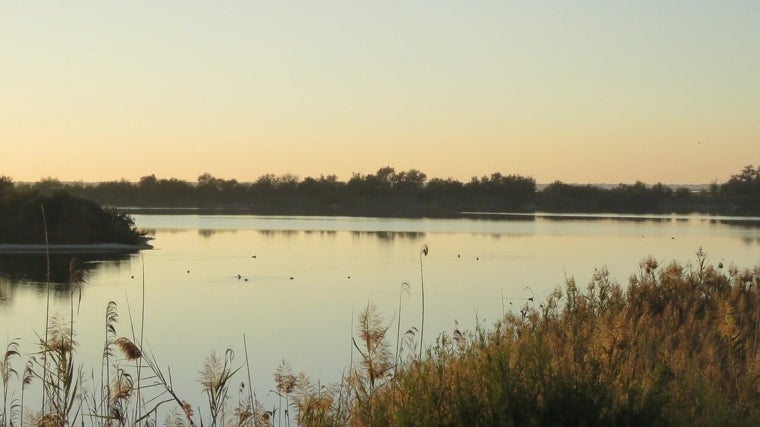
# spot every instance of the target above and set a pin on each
(34, 221)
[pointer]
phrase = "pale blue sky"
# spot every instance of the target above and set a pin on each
(572, 91)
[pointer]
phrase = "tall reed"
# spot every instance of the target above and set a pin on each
(47, 291)
(404, 290)
(423, 252)
(6, 372)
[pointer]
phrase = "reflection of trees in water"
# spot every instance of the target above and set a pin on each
(294, 233)
(382, 235)
(279, 233)
(328, 233)
(6, 292)
(30, 269)
(390, 235)
(751, 241)
(738, 223)
(209, 232)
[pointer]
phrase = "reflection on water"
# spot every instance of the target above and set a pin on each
(381, 235)
(32, 267)
(390, 235)
(279, 233)
(748, 223)
(30, 270)
(620, 219)
(209, 232)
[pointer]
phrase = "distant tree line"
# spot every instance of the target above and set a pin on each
(410, 193)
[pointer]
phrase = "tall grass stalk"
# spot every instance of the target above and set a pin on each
(138, 407)
(111, 318)
(404, 290)
(6, 372)
(423, 252)
(251, 400)
(26, 379)
(47, 302)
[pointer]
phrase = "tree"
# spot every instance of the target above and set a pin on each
(6, 183)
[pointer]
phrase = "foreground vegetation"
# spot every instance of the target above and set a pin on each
(410, 193)
(678, 345)
(29, 216)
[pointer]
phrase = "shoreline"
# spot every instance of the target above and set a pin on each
(71, 247)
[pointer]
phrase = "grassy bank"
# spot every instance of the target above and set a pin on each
(677, 345)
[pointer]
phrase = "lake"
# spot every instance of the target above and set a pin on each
(304, 279)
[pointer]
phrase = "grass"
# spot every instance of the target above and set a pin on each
(676, 345)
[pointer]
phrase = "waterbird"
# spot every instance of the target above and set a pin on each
(239, 276)
(291, 277)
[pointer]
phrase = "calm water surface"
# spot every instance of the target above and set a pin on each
(308, 277)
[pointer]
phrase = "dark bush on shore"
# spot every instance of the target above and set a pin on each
(70, 219)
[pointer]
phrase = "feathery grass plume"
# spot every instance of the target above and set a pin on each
(376, 361)
(174, 419)
(316, 404)
(122, 389)
(187, 409)
(50, 420)
(285, 382)
(128, 348)
(6, 372)
(61, 382)
(26, 380)
(111, 318)
(76, 279)
(15, 412)
(284, 378)
(267, 416)
(122, 386)
(244, 411)
(215, 382)
(59, 337)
